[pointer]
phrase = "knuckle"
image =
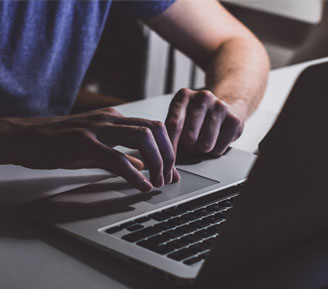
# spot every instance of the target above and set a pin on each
(174, 124)
(158, 125)
(107, 114)
(236, 122)
(80, 133)
(160, 167)
(110, 110)
(182, 95)
(119, 159)
(220, 107)
(184, 91)
(199, 104)
(144, 132)
(102, 115)
(213, 117)
(170, 159)
(190, 137)
(215, 154)
(207, 146)
(205, 95)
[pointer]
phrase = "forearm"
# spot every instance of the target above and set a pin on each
(10, 129)
(87, 101)
(237, 73)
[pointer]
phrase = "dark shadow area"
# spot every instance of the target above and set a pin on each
(300, 267)
(282, 208)
(268, 27)
(129, 275)
(91, 201)
(122, 77)
(13, 193)
(17, 192)
(195, 158)
(316, 45)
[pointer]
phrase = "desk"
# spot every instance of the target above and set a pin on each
(35, 257)
(300, 10)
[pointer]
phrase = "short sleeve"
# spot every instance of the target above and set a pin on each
(145, 9)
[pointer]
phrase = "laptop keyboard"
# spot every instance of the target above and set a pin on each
(184, 233)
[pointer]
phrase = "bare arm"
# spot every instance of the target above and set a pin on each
(236, 66)
(88, 140)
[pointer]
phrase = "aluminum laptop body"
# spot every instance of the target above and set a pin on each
(267, 215)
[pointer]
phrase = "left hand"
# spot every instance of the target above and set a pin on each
(198, 121)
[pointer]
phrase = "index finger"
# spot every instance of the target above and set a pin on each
(176, 116)
(162, 139)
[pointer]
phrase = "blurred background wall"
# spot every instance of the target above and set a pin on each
(133, 62)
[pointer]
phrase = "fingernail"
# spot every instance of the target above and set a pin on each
(147, 186)
(176, 174)
(169, 176)
(160, 181)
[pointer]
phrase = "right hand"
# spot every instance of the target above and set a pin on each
(87, 140)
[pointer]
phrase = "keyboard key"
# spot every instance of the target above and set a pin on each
(160, 216)
(171, 234)
(178, 243)
(135, 227)
(157, 239)
(202, 212)
(186, 229)
(163, 226)
(204, 255)
(219, 216)
(191, 238)
(127, 224)
(113, 230)
(199, 247)
(209, 220)
(208, 243)
(182, 254)
(141, 234)
(160, 249)
(177, 233)
(226, 203)
(177, 221)
(174, 211)
(204, 233)
(215, 207)
(192, 260)
(196, 224)
(164, 249)
(208, 199)
(146, 244)
(190, 216)
(160, 238)
(214, 228)
(143, 220)
(186, 217)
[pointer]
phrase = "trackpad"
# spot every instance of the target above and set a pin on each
(189, 183)
(108, 197)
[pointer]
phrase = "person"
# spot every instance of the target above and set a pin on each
(45, 49)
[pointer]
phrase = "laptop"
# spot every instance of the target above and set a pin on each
(212, 223)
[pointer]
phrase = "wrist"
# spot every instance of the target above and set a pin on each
(237, 104)
(240, 108)
(11, 131)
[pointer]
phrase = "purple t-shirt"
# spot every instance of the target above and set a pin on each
(46, 48)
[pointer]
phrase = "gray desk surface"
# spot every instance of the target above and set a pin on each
(300, 10)
(33, 256)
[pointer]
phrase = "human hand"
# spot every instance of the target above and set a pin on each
(87, 140)
(199, 122)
